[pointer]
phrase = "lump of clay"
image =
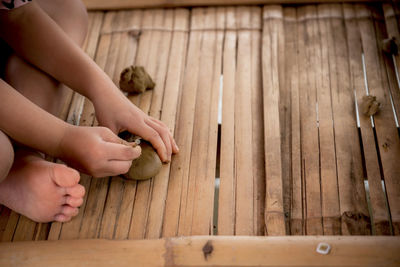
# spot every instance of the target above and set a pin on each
(369, 105)
(135, 79)
(390, 46)
(145, 166)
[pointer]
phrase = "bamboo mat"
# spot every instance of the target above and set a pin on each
(262, 102)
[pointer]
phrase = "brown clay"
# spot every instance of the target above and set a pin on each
(390, 46)
(369, 105)
(135, 79)
(145, 166)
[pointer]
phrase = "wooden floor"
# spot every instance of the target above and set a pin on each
(290, 156)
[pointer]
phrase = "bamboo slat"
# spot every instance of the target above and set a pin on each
(388, 140)
(198, 216)
(257, 123)
(329, 184)
(125, 4)
(148, 48)
(178, 183)
(292, 71)
(272, 39)
(307, 34)
(243, 128)
(352, 198)
(227, 187)
(159, 182)
(173, 84)
(379, 211)
(189, 251)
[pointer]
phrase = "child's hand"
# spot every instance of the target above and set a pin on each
(119, 114)
(96, 151)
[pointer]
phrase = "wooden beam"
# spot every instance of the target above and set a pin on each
(206, 251)
(125, 4)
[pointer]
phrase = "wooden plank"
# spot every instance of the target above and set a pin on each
(150, 49)
(159, 183)
(243, 128)
(227, 187)
(198, 215)
(25, 230)
(4, 216)
(204, 201)
(126, 4)
(121, 58)
(392, 62)
(353, 206)
(189, 251)
(284, 123)
(307, 33)
(257, 123)
(292, 72)
(274, 213)
(120, 201)
(203, 76)
(329, 184)
(173, 83)
(178, 182)
(379, 212)
(386, 131)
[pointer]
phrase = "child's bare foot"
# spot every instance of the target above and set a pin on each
(41, 190)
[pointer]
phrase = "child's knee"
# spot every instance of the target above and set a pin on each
(6, 156)
(80, 15)
(70, 15)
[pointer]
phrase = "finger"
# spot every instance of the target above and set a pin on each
(109, 136)
(164, 133)
(73, 201)
(122, 152)
(117, 167)
(175, 148)
(154, 138)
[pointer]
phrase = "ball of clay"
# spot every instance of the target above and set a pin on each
(369, 105)
(390, 46)
(135, 79)
(145, 166)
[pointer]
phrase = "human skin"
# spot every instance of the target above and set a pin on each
(25, 28)
(96, 150)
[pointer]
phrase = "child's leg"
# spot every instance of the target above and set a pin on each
(34, 84)
(41, 190)
(6, 156)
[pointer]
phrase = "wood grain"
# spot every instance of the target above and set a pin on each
(272, 39)
(189, 251)
(125, 4)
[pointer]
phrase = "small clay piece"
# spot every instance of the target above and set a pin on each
(145, 166)
(390, 46)
(369, 105)
(135, 79)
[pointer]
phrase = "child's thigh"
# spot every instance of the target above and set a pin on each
(70, 15)
(6, 155)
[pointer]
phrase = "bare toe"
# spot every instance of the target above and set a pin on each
(69, 211)
(77, 191)
(73, 201)
(62, 218)
(64, 176)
